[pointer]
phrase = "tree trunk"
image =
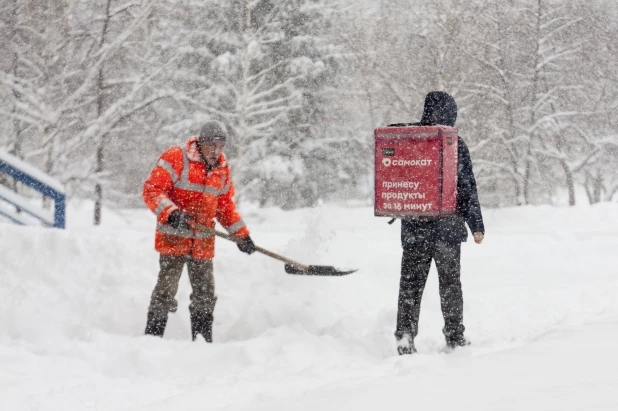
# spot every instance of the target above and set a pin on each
(594, 187)
(534, 100)
(49, 164)
(569, 181)
(598, 187)
(588, 189)
(98, 188)
(527, 177)
(243, 125)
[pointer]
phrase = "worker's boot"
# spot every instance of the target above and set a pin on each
(155, 325)
(201, 324)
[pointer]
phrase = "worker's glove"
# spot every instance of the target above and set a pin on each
(246, 245)
(179, 220)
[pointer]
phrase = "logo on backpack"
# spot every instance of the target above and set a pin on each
(387, 162)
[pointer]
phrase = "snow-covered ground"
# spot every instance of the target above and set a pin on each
(541, 308)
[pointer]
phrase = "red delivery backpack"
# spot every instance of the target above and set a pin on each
(415, 171)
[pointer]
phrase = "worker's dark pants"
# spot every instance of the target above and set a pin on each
(202, 281)
(415, 266)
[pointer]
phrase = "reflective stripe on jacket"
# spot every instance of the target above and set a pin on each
(180, 181)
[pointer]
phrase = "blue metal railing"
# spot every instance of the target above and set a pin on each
(37, 180)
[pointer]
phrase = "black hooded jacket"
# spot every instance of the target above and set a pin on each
(440, 108)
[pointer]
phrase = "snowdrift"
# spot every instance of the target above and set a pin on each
(540, 309)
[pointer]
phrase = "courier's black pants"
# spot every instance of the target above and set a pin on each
(415, 266)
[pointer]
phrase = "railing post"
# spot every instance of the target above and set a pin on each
(59, 212)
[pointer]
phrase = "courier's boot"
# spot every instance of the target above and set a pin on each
(201, 324)
(454, 335)
(455, 342)
(155, 325)
(405, 345)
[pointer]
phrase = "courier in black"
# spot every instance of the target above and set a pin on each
(438, 238)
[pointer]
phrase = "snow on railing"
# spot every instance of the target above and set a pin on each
(37, 180)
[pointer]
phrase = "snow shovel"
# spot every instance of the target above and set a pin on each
(291, 266)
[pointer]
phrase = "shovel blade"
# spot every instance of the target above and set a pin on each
(317, 270)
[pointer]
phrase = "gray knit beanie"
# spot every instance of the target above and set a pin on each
(212, 132)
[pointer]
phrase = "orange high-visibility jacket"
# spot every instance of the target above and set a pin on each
(180, 181)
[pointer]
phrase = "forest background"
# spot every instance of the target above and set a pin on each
(93, 91)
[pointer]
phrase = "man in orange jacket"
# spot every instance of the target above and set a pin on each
(189, 187)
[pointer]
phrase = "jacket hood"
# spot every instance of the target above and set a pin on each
(440, 108)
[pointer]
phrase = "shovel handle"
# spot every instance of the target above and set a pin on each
(281, 258)
(261, 250)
